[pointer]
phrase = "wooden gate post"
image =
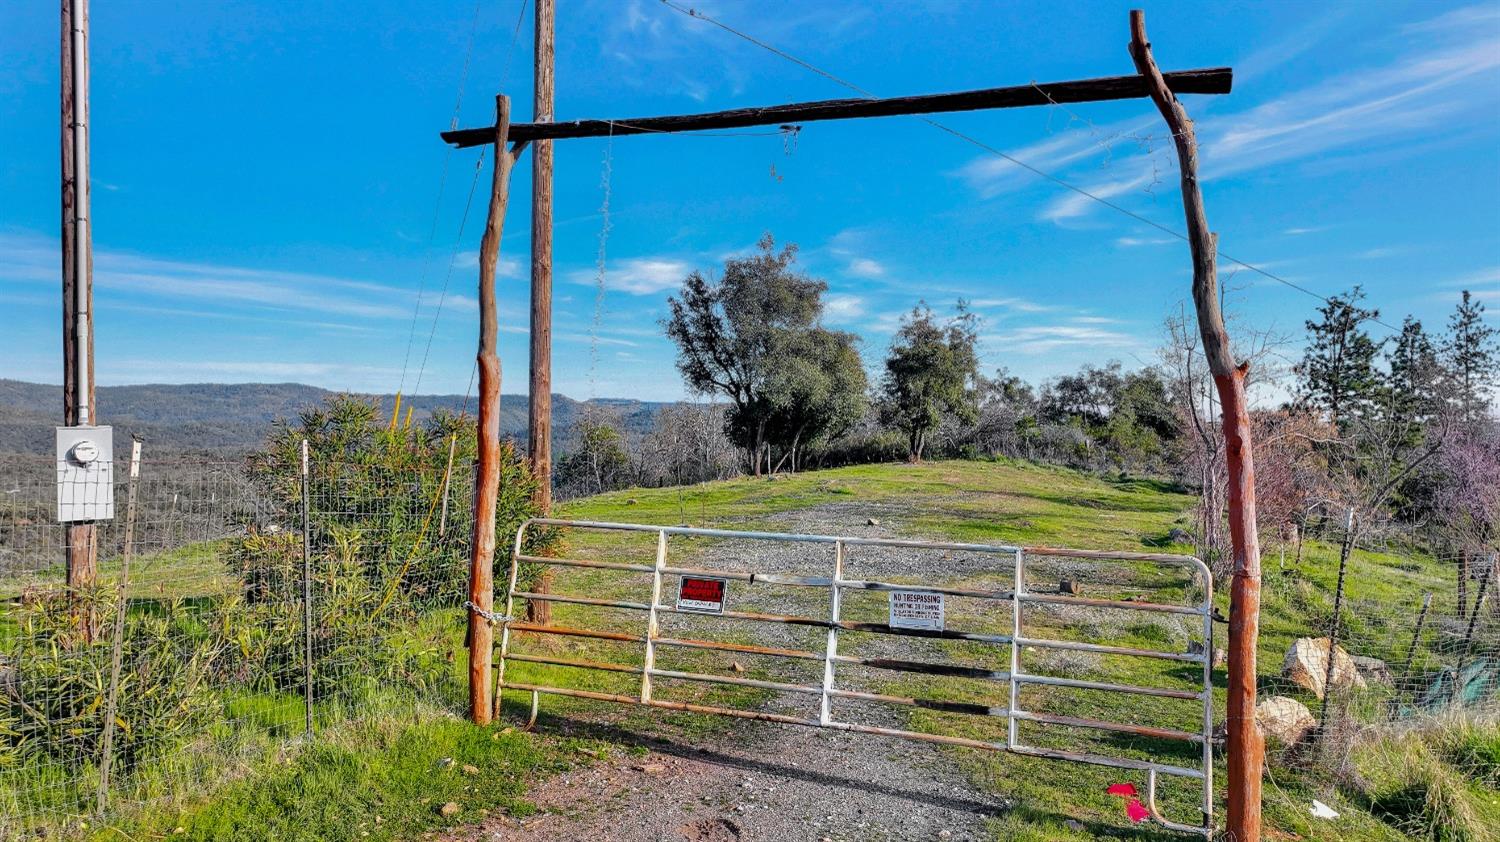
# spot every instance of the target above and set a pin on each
(1245, 747)
(487, 489)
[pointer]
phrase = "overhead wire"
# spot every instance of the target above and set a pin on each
(468, 203)
(1165, 229)
(416, 312)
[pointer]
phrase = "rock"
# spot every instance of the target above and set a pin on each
(1306, 665)
(1069, 586)
(736, 666)
(1075, 825)
(470, 769)
(1372, 670)
(448, 810)
(873, 521)
(1178, 536)
(653, 768)
(631, 501)
(445, 763)
(1221, 658)
(1285, 719)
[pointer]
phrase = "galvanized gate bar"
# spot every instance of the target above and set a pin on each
(827, 688)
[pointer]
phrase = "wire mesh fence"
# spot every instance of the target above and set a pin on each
(236, 606)
(1416, 644)
(256, 604)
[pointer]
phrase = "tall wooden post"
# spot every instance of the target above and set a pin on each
(487, 486)
(539, 430)
(77, 270)
(1245, 747)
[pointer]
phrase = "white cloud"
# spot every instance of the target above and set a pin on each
(864, 267)
(638, 275)
(1131, 242)
(1297, 232)
(843, 308)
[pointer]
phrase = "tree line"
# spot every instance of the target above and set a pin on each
(1399, 428)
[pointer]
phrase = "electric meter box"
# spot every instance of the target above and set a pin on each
(85, 473)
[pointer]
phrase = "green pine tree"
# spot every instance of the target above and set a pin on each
(1472, 354)
(1338, 374)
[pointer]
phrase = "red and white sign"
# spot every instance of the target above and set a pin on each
(702, 595)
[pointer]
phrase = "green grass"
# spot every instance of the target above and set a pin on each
(380, 776)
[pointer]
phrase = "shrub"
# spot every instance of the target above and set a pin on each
(56, 700)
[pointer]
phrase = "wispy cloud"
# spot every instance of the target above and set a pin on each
(26, 258)
(505, 267)
(1132, 242)
(1429, 86)
(1015, 303)
(159, 370)
(1479, 277)
(1042, 339)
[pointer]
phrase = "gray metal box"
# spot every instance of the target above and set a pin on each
(85, 473)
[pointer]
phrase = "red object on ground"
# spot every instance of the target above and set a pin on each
(1136, 811)
(1121, 789)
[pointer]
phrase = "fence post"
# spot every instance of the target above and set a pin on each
(1333, 628)
(307, 614)
(1463, 657)
(1416, 635)
(122, 604)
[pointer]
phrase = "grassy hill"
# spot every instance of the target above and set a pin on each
(233, 417)
(376, 766)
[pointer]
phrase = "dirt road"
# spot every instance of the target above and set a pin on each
(756, 782)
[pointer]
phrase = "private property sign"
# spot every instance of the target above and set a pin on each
(916, 610)
(702, 594)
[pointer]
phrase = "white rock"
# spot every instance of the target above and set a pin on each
(1284, 718)
(1306, 665)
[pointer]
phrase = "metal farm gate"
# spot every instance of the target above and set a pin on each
(916, 611)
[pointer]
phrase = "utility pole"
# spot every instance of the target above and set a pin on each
(77, 268)
(539, 430)
(1244, 746)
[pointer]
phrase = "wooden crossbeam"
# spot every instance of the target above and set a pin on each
(1214, 80)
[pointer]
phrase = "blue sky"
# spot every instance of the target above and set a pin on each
(266, 179)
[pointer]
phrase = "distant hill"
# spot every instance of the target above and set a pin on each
(235, 417)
